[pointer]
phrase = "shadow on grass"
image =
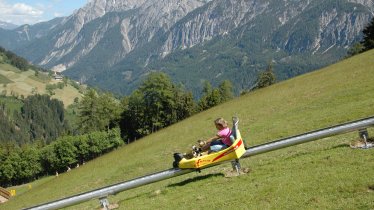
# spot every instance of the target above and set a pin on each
(133, 197)
(338, 146)
(185, 182)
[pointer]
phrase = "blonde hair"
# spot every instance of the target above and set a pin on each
(221, 121)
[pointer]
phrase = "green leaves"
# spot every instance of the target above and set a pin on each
(65, 152)
(156, 104)
(212, 97)
(356, 49)
(97, 112)
(266, 78)
(158, 93)
(21, 165)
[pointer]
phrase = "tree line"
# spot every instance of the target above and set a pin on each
(15, 60)
(27, 163)
(18, 61)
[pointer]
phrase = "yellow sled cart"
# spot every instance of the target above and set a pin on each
(234, 152)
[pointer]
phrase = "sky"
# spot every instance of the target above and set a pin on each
(33, 11)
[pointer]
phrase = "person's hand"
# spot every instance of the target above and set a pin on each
(201, 142)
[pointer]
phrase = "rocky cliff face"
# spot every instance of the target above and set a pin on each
(25, 34)
(305, 25)
(153, 17)
(136, 21)
(217, 18)
(75, 36)
(107, 39)
(93, 10)
(367, 3)
(324, 26)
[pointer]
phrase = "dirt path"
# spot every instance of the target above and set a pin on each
(2, 199)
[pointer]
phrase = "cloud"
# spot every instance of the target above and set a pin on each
(19, 13)
(57, 14)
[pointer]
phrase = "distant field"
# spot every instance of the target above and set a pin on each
(11, 104)
(26, 83)
(325, 174)
(4, 80)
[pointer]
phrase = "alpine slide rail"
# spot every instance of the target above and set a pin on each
(102, 193)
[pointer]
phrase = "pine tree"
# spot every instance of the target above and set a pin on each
(203, 103)
(356, 49)
(44, 116)
(225, 89)
(184, 105)
(156, 104)
(213, 96)
(158, 91)
(88, 118)
(133, 124)
(266, 78)
(108, 111)
(368, 40)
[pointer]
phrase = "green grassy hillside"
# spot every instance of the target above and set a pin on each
(16, 82)
(325, 174)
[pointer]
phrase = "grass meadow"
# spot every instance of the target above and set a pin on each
(25, 83)
(324, 174)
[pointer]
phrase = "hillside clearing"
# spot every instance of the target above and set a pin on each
(18, 83)
(325, 174)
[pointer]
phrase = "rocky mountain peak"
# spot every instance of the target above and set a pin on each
(164, 13)
(98, 8)
(367, 3)
(6, 25)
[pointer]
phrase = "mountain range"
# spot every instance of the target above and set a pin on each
(115, 44)
(6, 25)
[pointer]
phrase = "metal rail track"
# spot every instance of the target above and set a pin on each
(102, 193)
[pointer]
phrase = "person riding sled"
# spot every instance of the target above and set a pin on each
(221, 140)
(226, 145)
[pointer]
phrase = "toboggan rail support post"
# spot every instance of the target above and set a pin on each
(104, 202)
(235, 163)
(364, 135)
(102, 193)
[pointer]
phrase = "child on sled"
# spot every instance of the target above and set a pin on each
(221, 140)
(214, 144)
